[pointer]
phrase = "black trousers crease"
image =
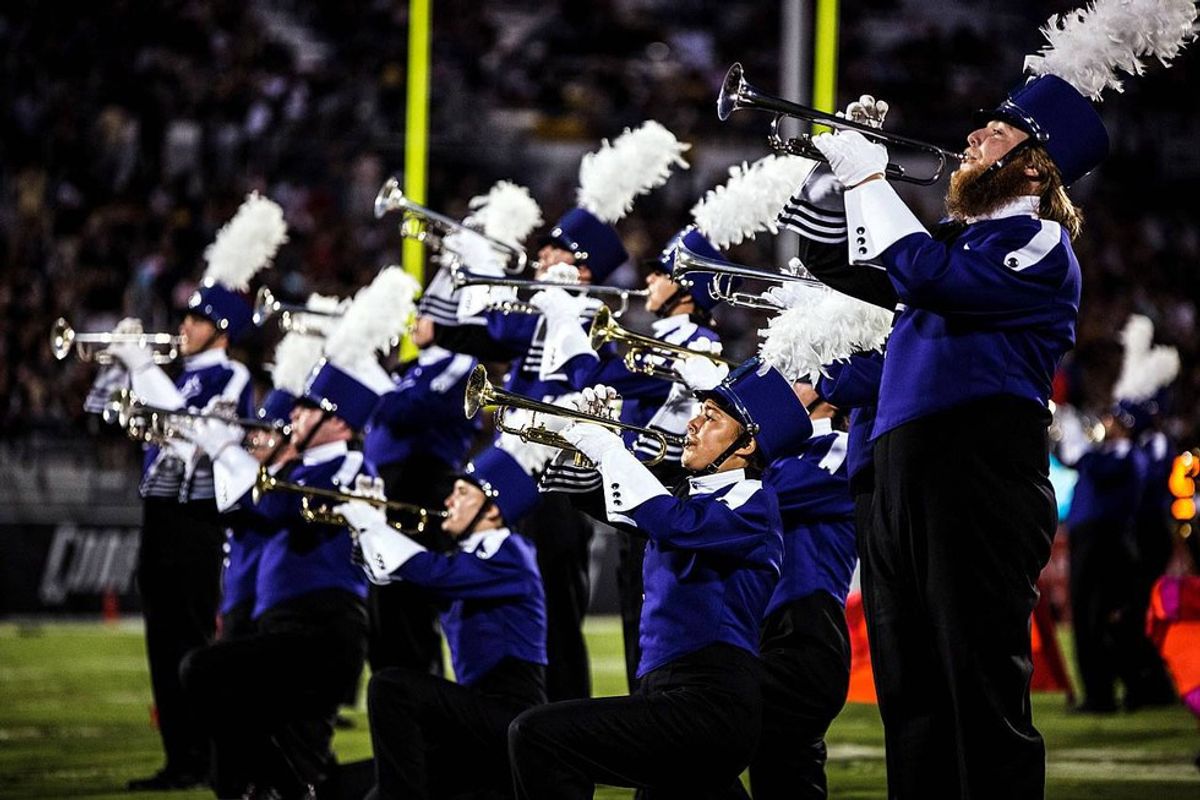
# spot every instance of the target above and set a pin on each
(963, 516)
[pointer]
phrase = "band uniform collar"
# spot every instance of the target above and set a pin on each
(707, 484)
(1024, 206)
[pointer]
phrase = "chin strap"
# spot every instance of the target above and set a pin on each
(1006, 159)
(479, 515)
(302, 445)
(671, 303)
(741, 441)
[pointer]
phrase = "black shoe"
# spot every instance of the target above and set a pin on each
(166, 780)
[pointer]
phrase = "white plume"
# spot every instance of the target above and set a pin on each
(295, 356)
(1146, 368)
(507, 212)
(246, 243)
(636, 162)
(468, 248)
(749, 202)
(1090, 46)
(378, 317)
(819, 326)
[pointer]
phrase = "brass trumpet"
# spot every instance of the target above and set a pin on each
(725, 274)
(90, 347)
(464, 277)
(291, 315)
(645, 355)
(155, 425)
(482, 394)
(737, 94)
(324, 514)
(429, 227)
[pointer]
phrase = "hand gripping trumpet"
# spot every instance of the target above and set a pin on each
(322, 512)
(464, 277)
(482, 394)
(155, 425)
(737, 94)
(645, 355)
(726, 275)
(429, 227)
(90, 346)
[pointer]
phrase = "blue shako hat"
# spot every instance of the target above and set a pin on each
(1061, 120)
(348, 393)
(276, 407)
(594, 242)
(500, 477)
(701, 283)
(762, 399)
(230, 311)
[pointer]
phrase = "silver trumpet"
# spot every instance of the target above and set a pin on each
(155, 425)
(464, 277)
(482, 394)
(737, 94)
(293, 317)
(92, 347)
(429, 227)
(726, 275)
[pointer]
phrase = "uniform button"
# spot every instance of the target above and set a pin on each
(1012, 262)
(862, 251)
(861, 240)
(860, 230)
(616, 486)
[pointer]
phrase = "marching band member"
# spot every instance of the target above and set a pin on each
(271, 722)
(963, 528)
(495, 622)
(418, 437)
(805, 642)
(711, 564)
(179, 558)
(584, 247)
(415, 440)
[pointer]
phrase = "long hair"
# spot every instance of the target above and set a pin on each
(1055, 204)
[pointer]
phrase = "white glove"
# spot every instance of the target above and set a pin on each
(599, 401)
(852, 157)
(698, 372)
(594, 441)
(213, 435)
(384, 549)
(867, 111)
(557, 305)
(134, 357)
(561, 273)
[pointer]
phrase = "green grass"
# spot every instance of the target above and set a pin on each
(75, 722)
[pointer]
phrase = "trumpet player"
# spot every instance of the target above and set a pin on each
(270, 719)
(961, 531)
(494, 619)
(712, 561)
(179, 560)
(582, 246)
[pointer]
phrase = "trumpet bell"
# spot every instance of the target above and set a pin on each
(390, 198)
(731, 88)
(478, 391)
(62, 339)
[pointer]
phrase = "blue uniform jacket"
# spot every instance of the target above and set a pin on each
(424, 414)
(712, 560)
(989, 313)
(205, 376)
(1156, 499)
(300, 557)
(818, 518)
(1112, 480)
(243, 552)
(497, 607)
(854, 385)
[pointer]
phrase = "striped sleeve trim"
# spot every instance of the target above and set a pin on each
(814, 223)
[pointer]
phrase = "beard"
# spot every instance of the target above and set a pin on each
(977, 192)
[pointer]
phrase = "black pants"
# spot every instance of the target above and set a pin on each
(805, 651)
(963, 518)
(688, 733)
(437, 739)
(179, 579)
(562, 536)
(268, 700)
(404, 630)
(631, 555)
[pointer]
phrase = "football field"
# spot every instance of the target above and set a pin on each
(75, 722)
